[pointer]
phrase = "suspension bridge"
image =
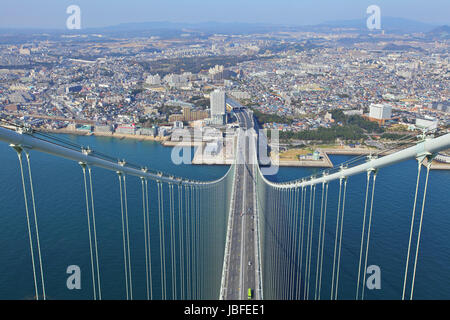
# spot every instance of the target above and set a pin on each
(239, 237)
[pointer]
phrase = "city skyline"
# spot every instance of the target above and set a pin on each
(49, 14)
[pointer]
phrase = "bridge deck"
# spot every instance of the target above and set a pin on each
(241, 271)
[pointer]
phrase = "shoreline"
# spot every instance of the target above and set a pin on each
(166, 142)
(110, 135)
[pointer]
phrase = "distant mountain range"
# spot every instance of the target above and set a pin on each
(442, 32)
(388, 24)
(166, 29)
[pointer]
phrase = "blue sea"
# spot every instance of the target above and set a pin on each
(64, 235)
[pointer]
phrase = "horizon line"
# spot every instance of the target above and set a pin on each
(31, 28)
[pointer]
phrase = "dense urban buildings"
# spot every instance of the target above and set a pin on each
(294, 81)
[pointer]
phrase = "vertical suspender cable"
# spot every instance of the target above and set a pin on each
(280, 253)
(222, 193)
(368, 232)
(286, 224)
(95, 233)
(302, 223)
(273, 245)
(191, 242)
(128, 235)
(27, 154)
(19, 154)
(419, 162)
(284, 240)
(162, 240)
(369, 172)
(294, 243)
(272, 250)
(281, 241)
(266, 251)
(323, 238)
(181, 239)
(336, 238)
(172, 244)
(277, 252)
(192, 237)
(197, 239)
(188, 245)
(297, 244)
(210, 227)
(83, 166)
(298, 227)
(148, 240)
(297, 239)
(311, 238)
(319, 240)
(200, 242)
(340, 240)
(270, 240)
(264, 220)
(120, 174)
(308, 244)
(203, 219)
(420, 227)
(303, 233)
(197, 262)
(144, 211)
(285, 217)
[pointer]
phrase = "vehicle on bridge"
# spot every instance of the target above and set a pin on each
(250, 294)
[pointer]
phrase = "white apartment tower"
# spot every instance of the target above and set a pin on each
(217, 103)
(218, 106)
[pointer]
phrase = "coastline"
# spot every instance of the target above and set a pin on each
(111, 135)
(435, 165)
(165, 141)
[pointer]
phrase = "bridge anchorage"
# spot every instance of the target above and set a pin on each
(242, 236)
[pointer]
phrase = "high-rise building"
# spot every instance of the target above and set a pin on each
(218, 107)
(216, 73)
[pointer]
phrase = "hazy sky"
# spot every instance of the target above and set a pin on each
(97, 13)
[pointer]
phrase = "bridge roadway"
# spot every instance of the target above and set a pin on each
(241, 274)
